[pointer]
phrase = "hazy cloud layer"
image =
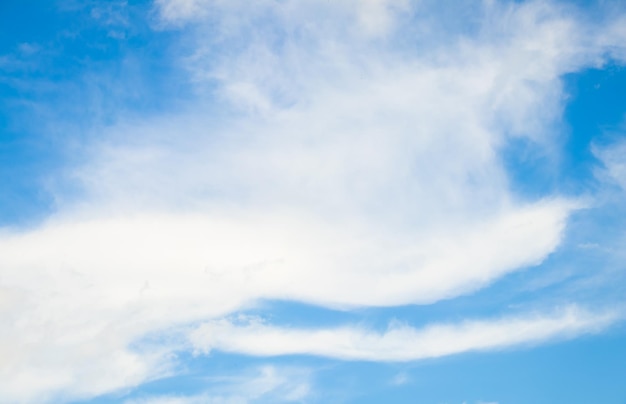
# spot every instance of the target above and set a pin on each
(265, 384)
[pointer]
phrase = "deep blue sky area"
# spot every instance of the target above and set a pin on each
(68, 69)
(593, 114)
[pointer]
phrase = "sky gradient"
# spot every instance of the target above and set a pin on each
(211, 201)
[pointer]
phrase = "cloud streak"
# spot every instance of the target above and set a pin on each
(267, 384)
(398, 342)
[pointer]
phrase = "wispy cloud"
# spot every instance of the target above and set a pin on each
(398, 342)
(265, 384)
(614, 161)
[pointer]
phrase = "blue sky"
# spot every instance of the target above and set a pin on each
(366, 201)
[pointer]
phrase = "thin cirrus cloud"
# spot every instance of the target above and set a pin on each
(326, 159)
(614, 163)
(266, 384)
(399, 342)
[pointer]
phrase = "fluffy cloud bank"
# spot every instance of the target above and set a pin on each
(341, 154)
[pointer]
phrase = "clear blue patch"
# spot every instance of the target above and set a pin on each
(595, 112)
(68, 70)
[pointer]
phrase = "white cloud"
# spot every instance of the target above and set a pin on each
(173, 10)
(250, 255)
(398, 342)
(324, 160)
(83, 291)
(371, 18)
